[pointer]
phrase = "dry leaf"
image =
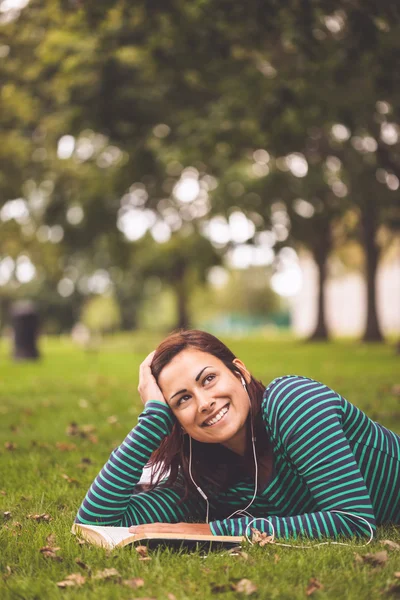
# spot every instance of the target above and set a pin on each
(72, 429)
(313, 586)
(85, 429)
(112, 420)
(51, 539)
(277, 558)
(7, 515)
(220, 588)
(396, 389)
(93, 439)
(245, 586)
(171, 596)
(17, 524)
(65, 446)
(397, 574)
(391, 545)
(134, 583)
(50, 552)
(261, 538)
(69, 479)
(3, 493)
(8, 572)
(143, 551)
(81, 564)
(10, 446)
(75, 579)
(106, 574)
(376, 560)
(38, 518)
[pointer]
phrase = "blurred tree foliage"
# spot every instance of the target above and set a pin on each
(145, 89)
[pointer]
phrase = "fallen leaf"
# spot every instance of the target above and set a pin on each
(10, 446)
(143, 551)
(3, 493)
(313, 586)
(81, 564)
(8, 572)
(397, 574)
(50, 552)
(391, 545)
(93, 439)
(51, 539)
(69, 479)
(396, 389)
(75, 579)
(87, 428)
(220, 588)
(244, 586)
(277, 558)
(7, 515)
(72, 429)
(17, 524)
(113, 419)
(38, 518)
(106, 574)
(65, 446)
(146, 598)
(261, 538)
(134, 583)
(171, 596)
(376, 560)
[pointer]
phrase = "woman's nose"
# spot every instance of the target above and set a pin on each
(205, 404)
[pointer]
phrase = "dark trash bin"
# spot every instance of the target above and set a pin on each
(25, 323)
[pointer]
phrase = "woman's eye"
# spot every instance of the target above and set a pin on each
(208, 378)
(183, 399)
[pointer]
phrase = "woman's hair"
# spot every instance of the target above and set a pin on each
(213, 465)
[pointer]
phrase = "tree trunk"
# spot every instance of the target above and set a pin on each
(369, 220)
(321, 254)
(183, 320)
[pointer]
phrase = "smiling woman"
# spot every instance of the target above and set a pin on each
(298, 455)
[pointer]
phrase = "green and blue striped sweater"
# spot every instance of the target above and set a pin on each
(328, 456)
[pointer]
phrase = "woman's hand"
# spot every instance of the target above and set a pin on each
(177, 528)
(148, 388)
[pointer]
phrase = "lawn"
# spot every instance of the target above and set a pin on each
(44, 470)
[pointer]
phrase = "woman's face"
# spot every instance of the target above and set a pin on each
(208, 400)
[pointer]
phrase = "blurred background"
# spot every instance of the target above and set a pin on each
(215, 164)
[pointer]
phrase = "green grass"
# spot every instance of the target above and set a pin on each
(39, 401)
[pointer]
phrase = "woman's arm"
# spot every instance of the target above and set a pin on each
(304, 420)
(111, 499)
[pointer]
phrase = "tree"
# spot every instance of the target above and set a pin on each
(181, 263)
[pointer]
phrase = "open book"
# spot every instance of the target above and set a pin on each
(112, 537)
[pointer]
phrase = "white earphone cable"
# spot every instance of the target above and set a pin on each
(243, 511)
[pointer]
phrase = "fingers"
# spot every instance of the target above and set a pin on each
(148, 388)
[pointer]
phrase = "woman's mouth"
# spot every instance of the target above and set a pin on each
(217, 418)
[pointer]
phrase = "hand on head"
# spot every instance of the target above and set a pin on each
(148, 388)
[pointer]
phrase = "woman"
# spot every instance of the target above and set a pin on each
(296, 456)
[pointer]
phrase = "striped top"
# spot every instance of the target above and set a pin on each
(329, 459)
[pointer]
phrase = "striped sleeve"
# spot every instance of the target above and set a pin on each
(111, 499)
(304, 419)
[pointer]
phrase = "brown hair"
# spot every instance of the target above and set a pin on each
(213, 465)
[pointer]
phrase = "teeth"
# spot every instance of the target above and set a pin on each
(217, 417)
